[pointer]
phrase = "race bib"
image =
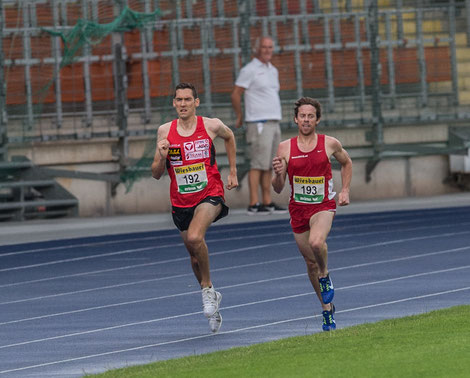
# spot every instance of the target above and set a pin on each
(309, 189)
(191, 178)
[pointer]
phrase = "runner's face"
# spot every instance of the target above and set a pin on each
(306, 119)
(185, 104)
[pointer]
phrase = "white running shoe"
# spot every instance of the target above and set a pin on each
(210, 301)
(215, 321)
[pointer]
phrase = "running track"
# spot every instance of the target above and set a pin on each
(70, 307)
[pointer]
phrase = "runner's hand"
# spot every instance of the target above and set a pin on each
(278, 165)
(163, 146)
(232, 181)
(343, 198)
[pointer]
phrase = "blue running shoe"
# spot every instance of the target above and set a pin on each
(327, 290)
(329, 323)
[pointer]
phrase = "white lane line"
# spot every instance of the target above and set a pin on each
(120, 241)
(154, 247)
(222, 252)
(178, 259)
(213, 230)
(143, 281)
(258, 246)
(289, 233)
(424, 255)
(151, 321)
(238, 330)
(410, 257)
(75, 259)
(398, 241)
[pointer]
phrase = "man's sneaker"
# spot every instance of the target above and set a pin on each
(263, 210)
(275, 209)
(326, 288)
(258, 209)
(215, 321)
(210, 301)
(252, 209)
(329, 323)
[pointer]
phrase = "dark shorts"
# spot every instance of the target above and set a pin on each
(182, 216)
(300, 215)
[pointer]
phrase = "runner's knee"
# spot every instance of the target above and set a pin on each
(317, 244)
(194, 239)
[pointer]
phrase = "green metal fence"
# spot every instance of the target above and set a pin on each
(367, 65)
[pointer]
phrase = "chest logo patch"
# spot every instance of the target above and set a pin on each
(198, 149)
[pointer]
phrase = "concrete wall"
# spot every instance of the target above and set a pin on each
(392, 178)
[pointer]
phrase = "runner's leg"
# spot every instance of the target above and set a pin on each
(194, 240)
(320, 226)
(302, 241)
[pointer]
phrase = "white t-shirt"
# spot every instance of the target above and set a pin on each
(261, 83)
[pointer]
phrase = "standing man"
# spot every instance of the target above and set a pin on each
(185, 148)
(306, 160)
(259, 82)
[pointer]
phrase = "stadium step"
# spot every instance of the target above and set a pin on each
(26, 192)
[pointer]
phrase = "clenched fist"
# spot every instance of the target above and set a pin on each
(163, 146)
(278, 165)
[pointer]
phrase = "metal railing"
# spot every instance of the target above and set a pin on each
(209, 51)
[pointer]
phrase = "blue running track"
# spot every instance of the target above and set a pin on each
(70, 307)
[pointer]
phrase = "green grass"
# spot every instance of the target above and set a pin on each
(435, 344)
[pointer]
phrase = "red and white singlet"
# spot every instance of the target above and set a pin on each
(311, 183)
(192, 167)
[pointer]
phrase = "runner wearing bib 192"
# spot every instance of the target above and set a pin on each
(192, 167)
(184, 148)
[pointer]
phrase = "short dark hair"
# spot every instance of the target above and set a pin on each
(186, 86)
(307, 101)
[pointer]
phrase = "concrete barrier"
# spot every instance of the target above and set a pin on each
(392, 178)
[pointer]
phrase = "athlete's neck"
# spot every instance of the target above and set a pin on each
(188, 123)
(307, 142)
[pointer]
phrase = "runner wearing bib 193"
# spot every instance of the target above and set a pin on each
(192, 167)
(311, 184)
(305, 159)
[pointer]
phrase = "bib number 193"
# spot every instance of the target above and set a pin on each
(309, 189)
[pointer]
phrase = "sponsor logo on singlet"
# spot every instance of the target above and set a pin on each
(174, 154)
(299, 156)
(198, 149)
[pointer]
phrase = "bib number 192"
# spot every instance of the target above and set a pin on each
(191, 178)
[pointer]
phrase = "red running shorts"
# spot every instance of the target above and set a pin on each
(300, 214)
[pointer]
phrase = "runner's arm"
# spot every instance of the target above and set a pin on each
(342, 156)
(280, 162)
(161, 152)
(224, 132)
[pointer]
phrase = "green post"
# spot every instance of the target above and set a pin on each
(244, 11)
(120, 82)
(3, 110)
(377, 119)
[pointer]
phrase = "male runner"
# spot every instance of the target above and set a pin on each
(185, 149)
(306, 159)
